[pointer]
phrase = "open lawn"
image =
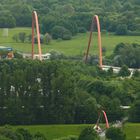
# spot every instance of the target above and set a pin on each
(132, 130)
(76, 46)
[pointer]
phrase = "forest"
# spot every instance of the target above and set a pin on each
(121, 17)
(65, 92)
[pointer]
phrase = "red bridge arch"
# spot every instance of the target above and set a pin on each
(96, 127)
(95, 19)
(35, 22)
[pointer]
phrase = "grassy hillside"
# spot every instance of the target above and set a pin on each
(76, 46)
(55, 131)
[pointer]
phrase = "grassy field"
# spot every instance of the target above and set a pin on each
(56, 131)
(76, 46)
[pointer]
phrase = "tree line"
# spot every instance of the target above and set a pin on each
(59, 91)
(64, 19)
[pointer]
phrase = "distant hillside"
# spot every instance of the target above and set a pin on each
(74, 15)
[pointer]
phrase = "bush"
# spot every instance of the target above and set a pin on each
(17, 55)
(133, 33)
(22, 36)
(39, 136)
(61, 32)
(15, 37)
(9, 133)
(66, 35)
(134, 113)
(47, 38)
(41, 39)
(4, 138)
(25, 133)
(7, 20)
(88, 134)
(124, 71)
(115, 134)
(56, 55)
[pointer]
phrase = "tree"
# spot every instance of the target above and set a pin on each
(25, 133)
(87, 112)
(22, 36)
(121, 29)
(39, 136)
(115, 134)
(134, 113)
(124, 71)
(10, 134)
(118, 47)
(47, 24)
(22, 14)
(127, 54)
(88, 134)
(7, 20)
(61, 32)
(4, 138)
(15, 37)
(66, 35)
(47, 38)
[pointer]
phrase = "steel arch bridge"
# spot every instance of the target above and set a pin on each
(97, 127)
(36, 24)
(96, 20)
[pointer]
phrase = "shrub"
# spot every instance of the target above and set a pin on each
(9, 133)
(115, 134)
(25, 133)
(88, 134)
(4, 138)
(39, 136)
(61, 32)
(66, 35)
(22, 36)
(124, 71)
(15, 37)
(47, 38)
(134, 113)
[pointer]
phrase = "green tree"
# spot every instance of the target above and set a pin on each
(7, 20)
(4, 138)
(61, 32)
(25, 133)
(39, 136)
(22, 36)
(121, 29)
(124, 71)
(22, 14)
(88, 134)
(115, 134)
(47, 38)
(134, 113)
(127, 54)
(47, 24)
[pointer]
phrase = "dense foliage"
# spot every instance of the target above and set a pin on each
(119, 16)
(8, 133)
(127, 54)
(115, 134)
(88, 134)
(34, 92)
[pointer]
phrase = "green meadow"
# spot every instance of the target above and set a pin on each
(132, 130)
(76, 46)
